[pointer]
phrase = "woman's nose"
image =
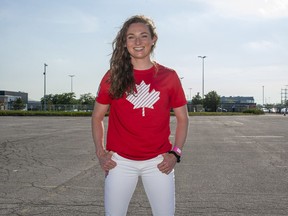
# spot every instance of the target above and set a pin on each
(138, 40)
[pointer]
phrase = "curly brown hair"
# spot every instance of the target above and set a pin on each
(121, 69)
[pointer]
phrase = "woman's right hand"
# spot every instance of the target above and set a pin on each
(106, 161)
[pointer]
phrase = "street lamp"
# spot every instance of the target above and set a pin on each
(71, 82)
(203, 57)
(263, 96)
(45, 103)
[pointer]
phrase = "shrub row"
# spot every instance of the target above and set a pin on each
(254, 111)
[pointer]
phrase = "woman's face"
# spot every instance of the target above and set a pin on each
(139, 41)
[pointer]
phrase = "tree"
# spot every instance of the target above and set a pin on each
(211, 101)
(18, 104)
(64, 99)
(49, 100)
(60, 99)
(196, 100)
(86, 99)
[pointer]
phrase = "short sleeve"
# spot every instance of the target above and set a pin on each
(103, 96)
(177, 95)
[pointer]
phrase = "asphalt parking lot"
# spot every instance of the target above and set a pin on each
(232, 165)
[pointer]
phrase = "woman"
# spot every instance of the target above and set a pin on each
(139, 94)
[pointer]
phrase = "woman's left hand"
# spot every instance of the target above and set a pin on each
(168, 163)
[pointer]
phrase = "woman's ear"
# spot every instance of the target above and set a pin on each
(154, 40)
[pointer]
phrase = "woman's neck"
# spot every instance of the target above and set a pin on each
(142, 65)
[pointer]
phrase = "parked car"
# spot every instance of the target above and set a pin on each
(284, 110)
(265, 110)
(273, 110)
(219, 109)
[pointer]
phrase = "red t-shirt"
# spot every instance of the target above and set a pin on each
(138, 126)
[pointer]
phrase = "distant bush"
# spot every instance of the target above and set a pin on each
(254, 111)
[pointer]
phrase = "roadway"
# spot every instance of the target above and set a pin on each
(232, 165)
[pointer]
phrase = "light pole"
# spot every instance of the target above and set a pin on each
(71, 82)
(263, 96)
(203, 57)
(45, 103)
(190, 94)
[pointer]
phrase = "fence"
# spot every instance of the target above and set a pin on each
(62, 107)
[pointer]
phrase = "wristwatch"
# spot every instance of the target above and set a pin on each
(178, 157)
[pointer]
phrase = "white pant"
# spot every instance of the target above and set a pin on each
(121, 182)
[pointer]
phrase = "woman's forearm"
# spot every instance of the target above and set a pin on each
(98, 127)
(98, 136)
(181, 127)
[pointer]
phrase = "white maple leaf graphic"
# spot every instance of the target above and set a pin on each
(143, 98)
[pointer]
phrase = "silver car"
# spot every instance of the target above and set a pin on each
(284, 110)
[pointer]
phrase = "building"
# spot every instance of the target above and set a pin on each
(237, 104)
(7, 97)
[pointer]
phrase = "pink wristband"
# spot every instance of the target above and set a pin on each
(177, 150)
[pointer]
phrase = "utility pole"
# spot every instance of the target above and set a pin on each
(263, 96)
(71, 82)
(284, 95)
(190, 94)
(45, 102)
(202, 57)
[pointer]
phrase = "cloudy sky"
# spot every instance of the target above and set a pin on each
(245, 42)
